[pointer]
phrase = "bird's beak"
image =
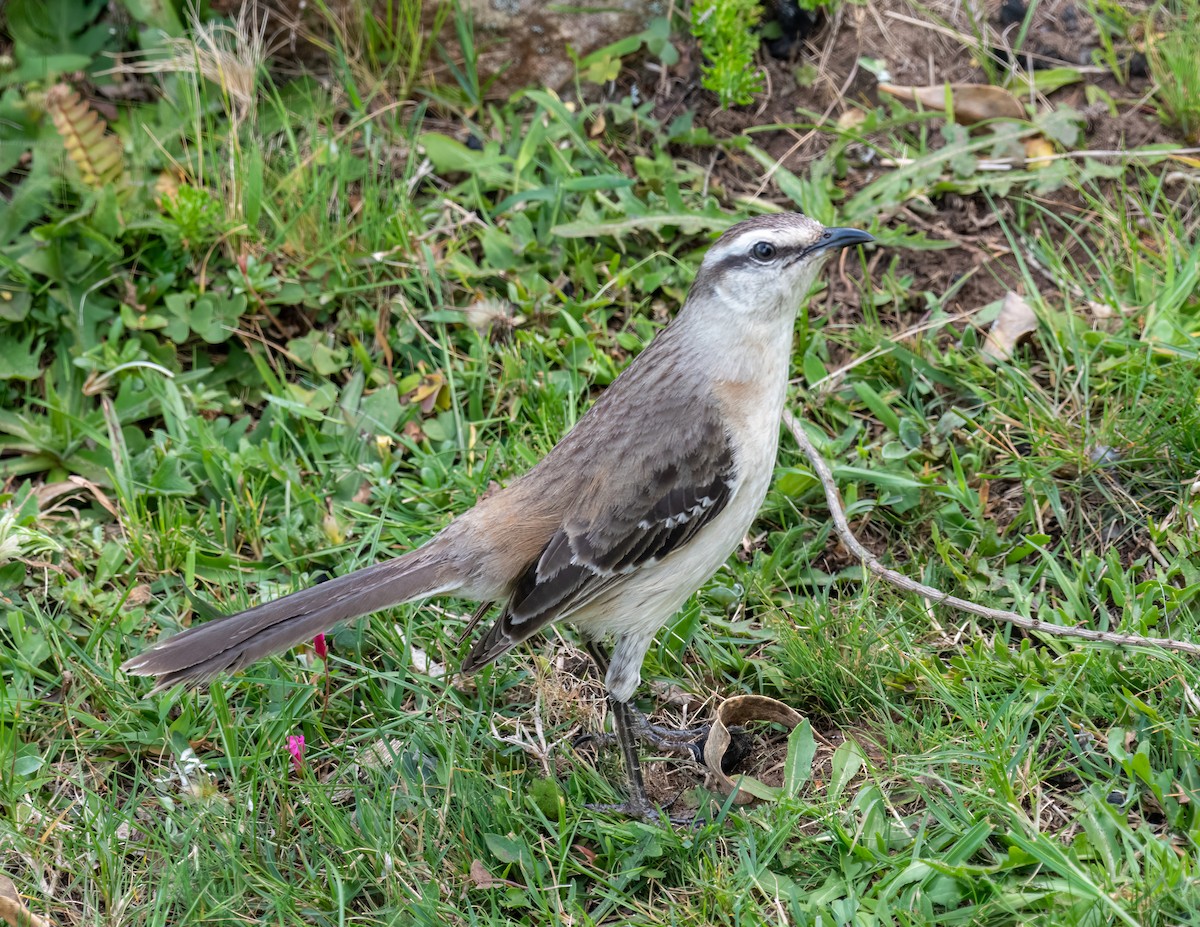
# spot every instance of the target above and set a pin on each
(838, 238)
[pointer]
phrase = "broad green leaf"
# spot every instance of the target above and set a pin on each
(889, 419)
(19, 358)
(847, 761)
(797, 765)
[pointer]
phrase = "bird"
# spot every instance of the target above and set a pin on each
(621, 521)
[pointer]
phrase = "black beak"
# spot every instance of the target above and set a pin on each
(836, 239)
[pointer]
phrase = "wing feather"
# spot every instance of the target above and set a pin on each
(660, 505)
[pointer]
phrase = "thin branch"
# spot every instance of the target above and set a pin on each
(936, 595)
(1007, 164)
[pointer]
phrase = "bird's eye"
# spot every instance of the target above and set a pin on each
(763, 250)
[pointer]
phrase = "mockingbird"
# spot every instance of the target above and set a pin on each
(622, 520)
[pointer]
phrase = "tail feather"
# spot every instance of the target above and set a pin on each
(200, 653)
(493, 645)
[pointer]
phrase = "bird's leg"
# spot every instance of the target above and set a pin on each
(639, 803)
(687, 742)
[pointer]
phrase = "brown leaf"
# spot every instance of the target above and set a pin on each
(972, 102)
(166, 186)
(51, 492)
(479, 877)
(13, 911)
(667, 694)
(106, 503)
(432, 392)
(733, 712)
(1015, 321)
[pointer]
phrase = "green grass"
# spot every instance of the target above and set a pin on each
(264, 372)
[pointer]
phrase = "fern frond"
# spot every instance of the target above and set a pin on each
(96, 152)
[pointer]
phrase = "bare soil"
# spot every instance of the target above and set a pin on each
(929, 44)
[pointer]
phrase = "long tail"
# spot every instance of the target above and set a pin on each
(228, 644)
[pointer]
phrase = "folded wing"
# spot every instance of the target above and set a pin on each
(642, 511)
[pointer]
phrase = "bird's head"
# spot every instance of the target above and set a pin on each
(762, 268)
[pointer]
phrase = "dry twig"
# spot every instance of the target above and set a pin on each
(821, 469)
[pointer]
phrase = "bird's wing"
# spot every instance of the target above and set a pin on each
(634, 511)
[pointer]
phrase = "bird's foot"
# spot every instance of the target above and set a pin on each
(686, 742)
(648, 812)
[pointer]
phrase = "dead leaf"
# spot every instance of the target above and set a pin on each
(1015, 321)
(52, 492)
(427, 393)
(479, 877)
(667, 694)
(166, 185)
(420, 660)
(1038, 152)
(972, 102)
(381, 754)
(737, 711)
(13, 911)
(851, 119)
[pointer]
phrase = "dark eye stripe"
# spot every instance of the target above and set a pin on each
(784, 254)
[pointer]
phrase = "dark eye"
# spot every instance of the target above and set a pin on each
(762, 250)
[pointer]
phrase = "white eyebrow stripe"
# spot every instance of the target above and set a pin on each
(741, 244)
(728, 249)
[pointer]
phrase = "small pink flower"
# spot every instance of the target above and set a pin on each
(295, 745)
(320, 646)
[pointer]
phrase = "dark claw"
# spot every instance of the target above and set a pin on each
(648, 813)
(689, 741)
(597, 740)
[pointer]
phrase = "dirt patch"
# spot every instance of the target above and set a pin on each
(834, 70)
(758, 751)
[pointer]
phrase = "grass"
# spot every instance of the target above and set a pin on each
(308, 331)
(1172, 57)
